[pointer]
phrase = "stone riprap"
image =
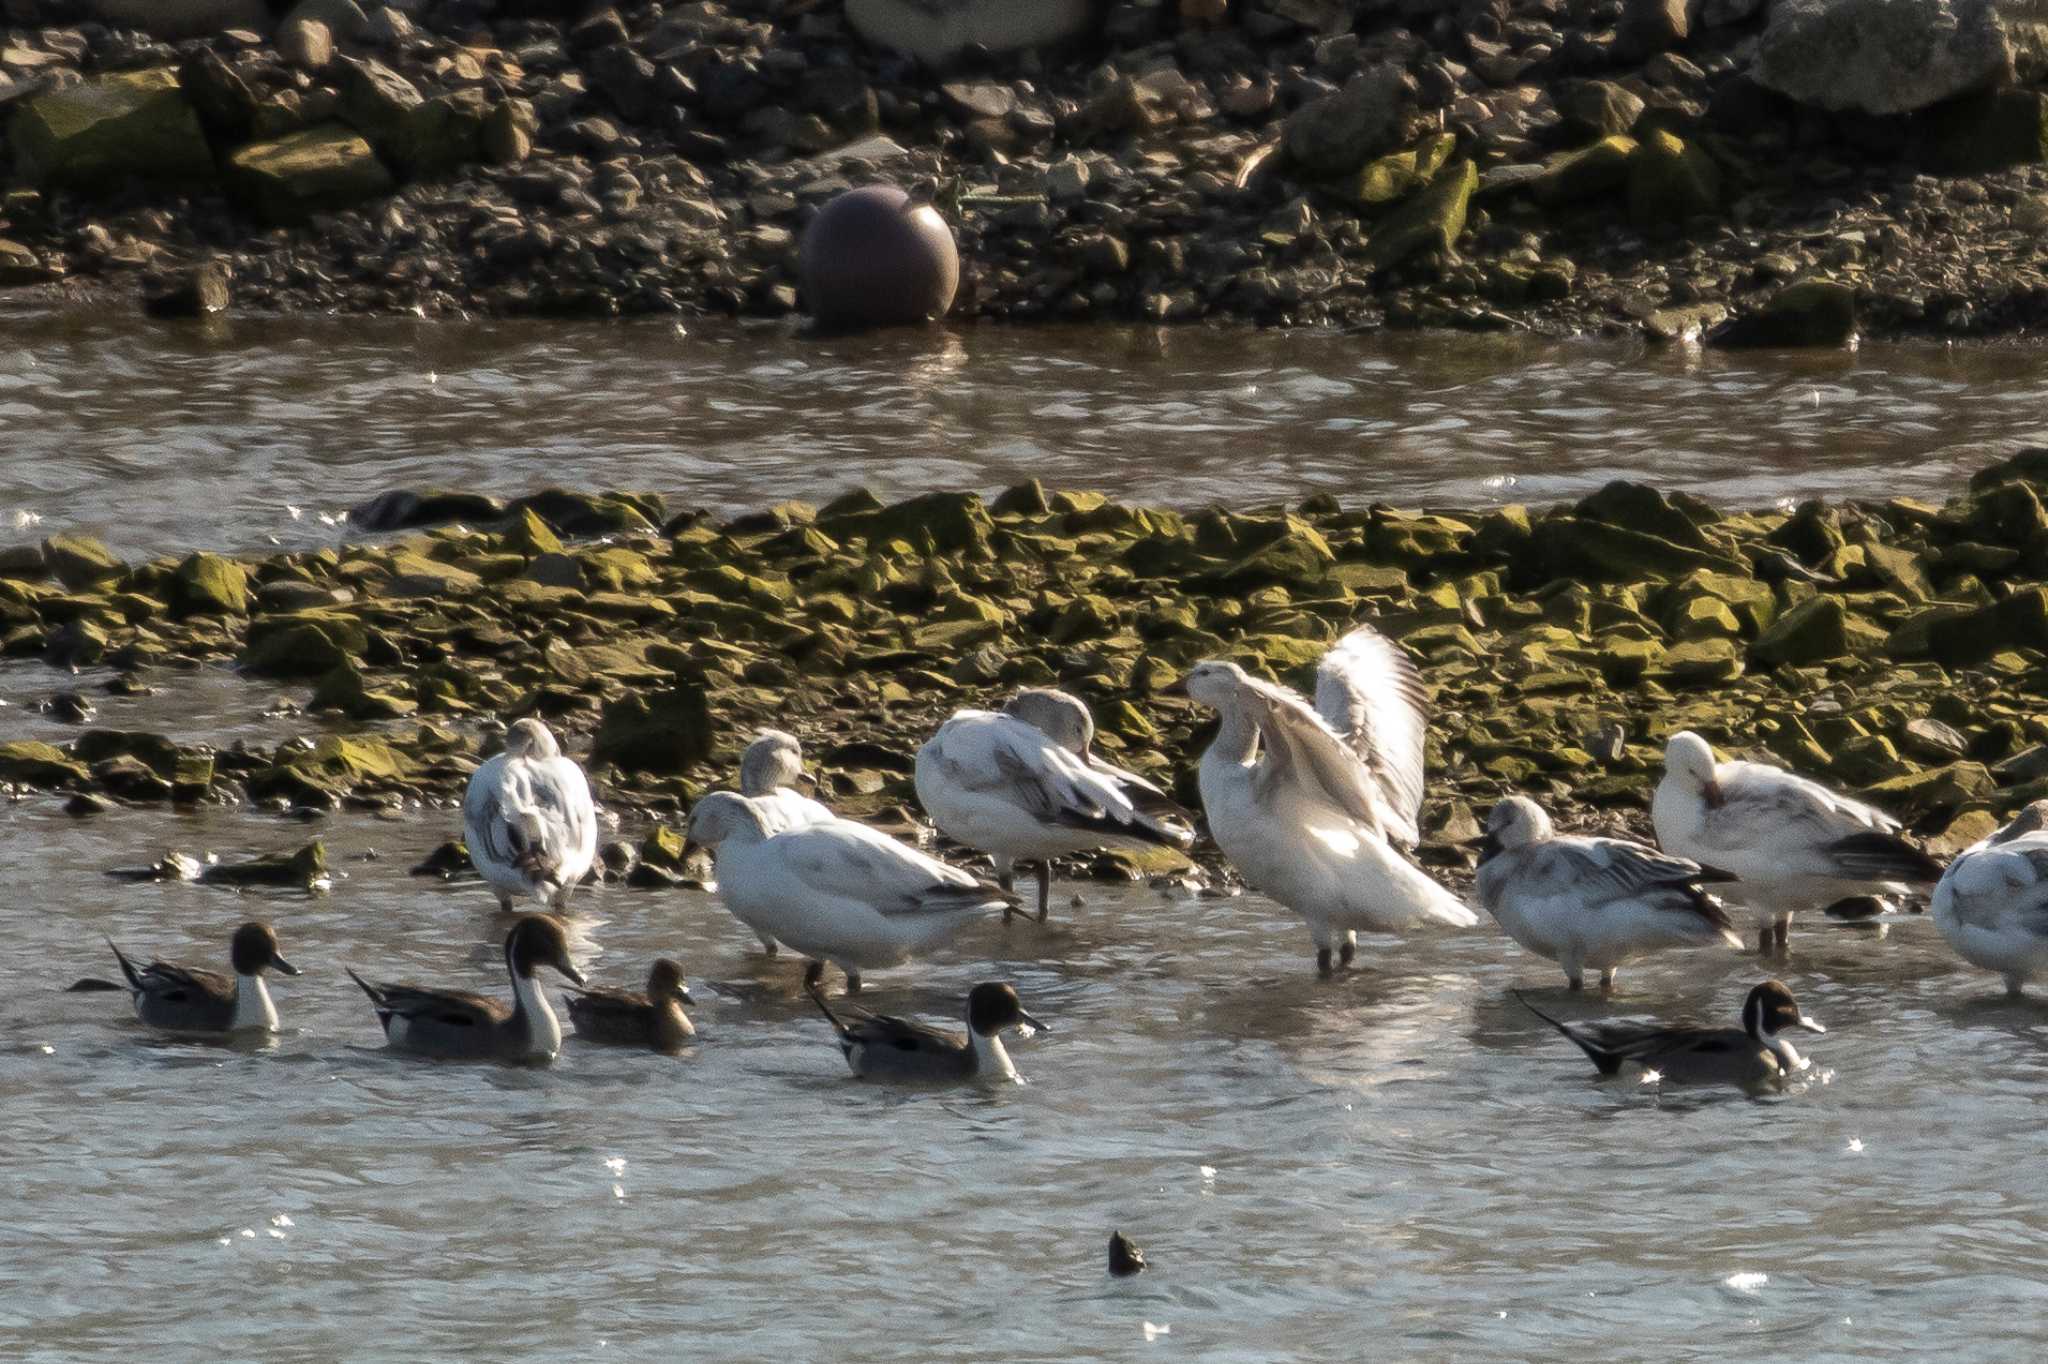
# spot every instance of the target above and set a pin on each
(1894, 647)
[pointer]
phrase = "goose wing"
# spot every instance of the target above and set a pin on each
(1013, 761)
(843, 860)
(1795, 825)
(1298, 747)
(1369, 692)
(1603, 870)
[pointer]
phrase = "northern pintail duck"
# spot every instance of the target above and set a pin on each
(836, 891)
(192, 999)
(1791, 843)
(528, 820)
(630, 1019)
(1755, 1055)
(768, 772)
(1992, 902)
(461, 1025)
(1024, 783)
(1592, 902)
(1313, 805)
(879, 1047)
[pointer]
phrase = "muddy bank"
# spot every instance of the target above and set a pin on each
(1895, 648)
(1494, 164)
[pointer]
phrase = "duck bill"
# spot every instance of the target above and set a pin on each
(568, 968)
(1032, 1021)
(1810, 1024)
(282, 965)
(683, 994)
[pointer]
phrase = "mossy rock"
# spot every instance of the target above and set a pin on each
(345, 689)
(1573, 547)
(81, 561)
(103, 132)
(208, 585)
(1395, 176)
(33, 763)
(305, 644)
(529, 536)
(1936, 788)
(1958, 638)
(1816, 630)
(1429, 220)
(1813, 312)
(949, 522)
(319, 170)
(662, 733)
(442, 135)
(158, 752)
(1671, 181)
(1576, 177)
(1289, 552)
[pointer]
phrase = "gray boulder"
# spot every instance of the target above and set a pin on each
(1342, 131)
(1897, 56)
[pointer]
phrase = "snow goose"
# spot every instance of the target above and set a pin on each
(528, 820)
(1591, 902)
(836, 891)
(1790, 843)
(1308, 803)
(1992, 902)
(1024, 783)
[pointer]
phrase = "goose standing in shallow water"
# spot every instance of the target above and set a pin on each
(1308, 804)
(463, 1026)
(528, 820)
(1024, 783)
(191, 999)
(1756, 1055)
(627, 1018)
(1591, 902)
(879, 1047)
(835, 891)
(1790, 843)
(768, 772)
(1992, 902)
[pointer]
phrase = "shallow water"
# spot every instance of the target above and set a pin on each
(1399, 1164)
(168, 439)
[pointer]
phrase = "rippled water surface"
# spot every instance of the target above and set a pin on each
(164, 438)
(1398, 1164)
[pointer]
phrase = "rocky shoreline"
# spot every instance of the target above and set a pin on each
(1582, 167)
(1895, 648)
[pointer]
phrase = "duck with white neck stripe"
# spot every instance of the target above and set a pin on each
(191, 999)
(881, 1047)
(464, 1026)
(1756, 1056)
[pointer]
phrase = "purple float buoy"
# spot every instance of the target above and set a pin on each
(873, 257)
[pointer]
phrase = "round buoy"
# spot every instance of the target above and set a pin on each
(874, 258)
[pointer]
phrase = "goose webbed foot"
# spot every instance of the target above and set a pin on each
(1044, 892)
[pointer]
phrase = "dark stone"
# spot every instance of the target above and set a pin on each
(218, 94)
(200, 291)
(1810, 313)
(873, 257)
(403, 509)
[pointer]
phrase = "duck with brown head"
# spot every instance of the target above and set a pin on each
(626, 1018)
(881, 1047)
(528, 820)
(464, 1026)
(191, 999)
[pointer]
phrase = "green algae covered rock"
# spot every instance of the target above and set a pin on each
(949, 522)
(663, 733)
(288, 180)
(1669, 181)
(33, 763)
(1813, 312)
(1395, 176)
(97, 135)
(1957, 638)
(1814, 631)
(1429, 220)
(208, 585)
(304, 644)
(81, 561)
(1573, 178)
